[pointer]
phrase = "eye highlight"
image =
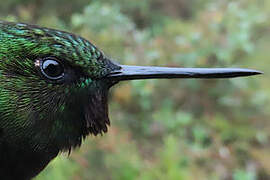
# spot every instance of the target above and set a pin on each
(51, 68)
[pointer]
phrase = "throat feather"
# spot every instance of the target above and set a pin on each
(96, 112)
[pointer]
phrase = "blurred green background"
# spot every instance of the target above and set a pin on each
(170, 129)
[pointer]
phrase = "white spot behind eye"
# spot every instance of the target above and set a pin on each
(37, 63)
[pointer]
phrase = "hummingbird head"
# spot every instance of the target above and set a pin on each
(52, 89)
(54, 86)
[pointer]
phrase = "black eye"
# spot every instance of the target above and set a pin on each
(52, 69)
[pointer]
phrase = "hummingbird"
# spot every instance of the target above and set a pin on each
(53, 93)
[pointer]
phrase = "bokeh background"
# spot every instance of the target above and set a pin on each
(170, 129)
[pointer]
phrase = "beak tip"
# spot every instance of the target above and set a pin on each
(255, 72)
(249, 72)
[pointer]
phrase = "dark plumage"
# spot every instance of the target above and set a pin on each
(53, 93)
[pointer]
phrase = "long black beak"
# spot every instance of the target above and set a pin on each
(151, 72)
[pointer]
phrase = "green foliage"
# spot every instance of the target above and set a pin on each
(112, 18)
(171, 129)
(243, 175)
(171, 164)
